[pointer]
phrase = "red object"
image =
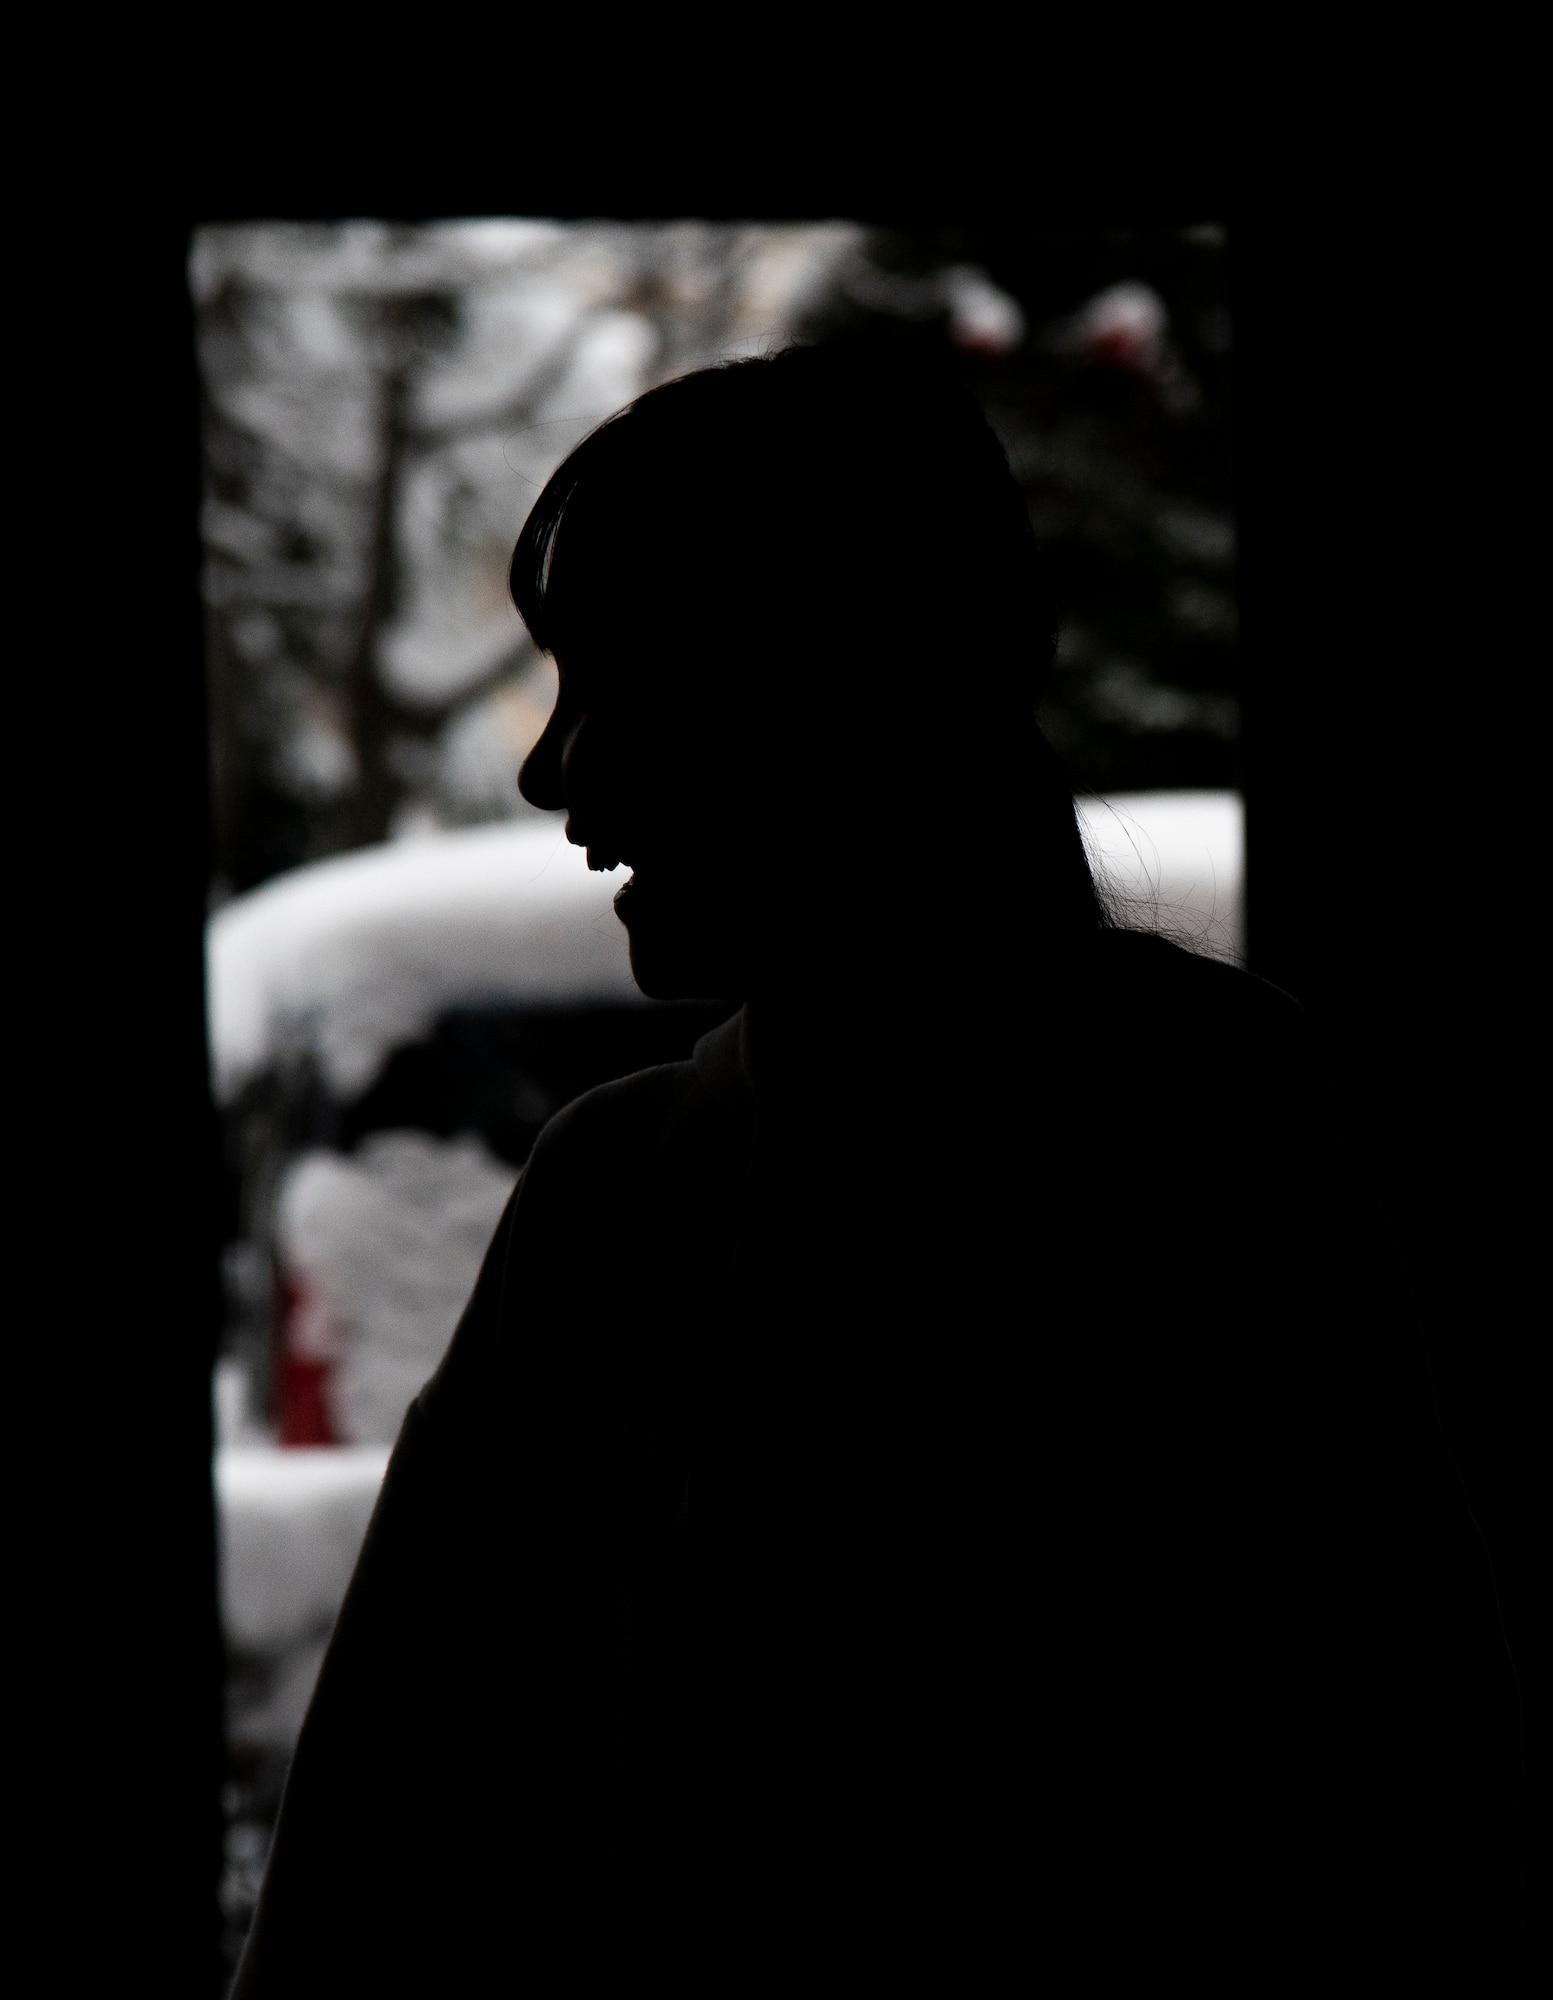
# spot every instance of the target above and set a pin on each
(305, 1365)
(1124, 327)
(304, 1402)
(1123, 347)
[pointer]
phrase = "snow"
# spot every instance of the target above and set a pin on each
(353, 956)
(389, 1242)
(554, 327)
(1174, 862)
(292, 1524)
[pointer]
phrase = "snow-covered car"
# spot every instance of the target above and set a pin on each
(388, 1032)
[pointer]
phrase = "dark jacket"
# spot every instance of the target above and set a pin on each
(1077, 1589)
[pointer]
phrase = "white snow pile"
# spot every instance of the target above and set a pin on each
(291, 1525)
(388, 1243)
(351, 957)
(1173, 862)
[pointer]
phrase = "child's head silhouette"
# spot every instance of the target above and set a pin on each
(798, 613)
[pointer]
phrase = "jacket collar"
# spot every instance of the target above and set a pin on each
(721, 1059)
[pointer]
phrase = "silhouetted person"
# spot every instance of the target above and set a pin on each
(1075, 1599)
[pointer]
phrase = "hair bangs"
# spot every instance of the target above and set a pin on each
(529, 575)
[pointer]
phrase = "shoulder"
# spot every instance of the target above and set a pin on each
(1162, 983)
(644, 1122)
(617, 1122)
(589, 1172)
(1181, 1038)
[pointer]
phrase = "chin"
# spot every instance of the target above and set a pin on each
(679, 968)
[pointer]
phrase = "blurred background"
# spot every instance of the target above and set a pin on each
(408, 971)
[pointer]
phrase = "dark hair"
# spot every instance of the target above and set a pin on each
(846, 498)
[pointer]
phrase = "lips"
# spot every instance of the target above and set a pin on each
(603, 853)
(604, 857)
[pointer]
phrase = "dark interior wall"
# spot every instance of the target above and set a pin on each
(1388, 626)
(117, 1149)
(1385, 545)
(1374, 461)
(1388, 634)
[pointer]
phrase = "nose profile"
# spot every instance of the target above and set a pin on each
(539, 776)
